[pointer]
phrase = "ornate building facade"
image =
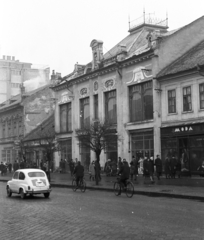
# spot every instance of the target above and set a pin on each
(121, 86)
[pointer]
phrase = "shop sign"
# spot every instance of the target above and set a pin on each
(183, 129)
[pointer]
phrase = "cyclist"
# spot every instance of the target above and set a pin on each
(125, 173)
(79, 173)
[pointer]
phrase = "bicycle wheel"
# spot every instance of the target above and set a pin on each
(130, 190)
(74, 186)
(83, 185)
(116, 188)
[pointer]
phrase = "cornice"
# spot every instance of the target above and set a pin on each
(102, 71)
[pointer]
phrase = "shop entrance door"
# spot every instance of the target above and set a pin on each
(184, 154)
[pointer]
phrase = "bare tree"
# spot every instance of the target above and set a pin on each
(97, 136)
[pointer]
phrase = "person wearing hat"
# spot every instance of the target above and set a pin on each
(79, 172)
(124, 173)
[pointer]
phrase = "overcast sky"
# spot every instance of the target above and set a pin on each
(58, 33)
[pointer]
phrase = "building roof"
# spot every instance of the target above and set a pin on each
(45, 130)
(190, 60)
(17, 99)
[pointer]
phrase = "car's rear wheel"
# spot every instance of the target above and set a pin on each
(22, 194)
(9, 192)
(46, 195)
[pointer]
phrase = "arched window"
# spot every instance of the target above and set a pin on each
(84, 112)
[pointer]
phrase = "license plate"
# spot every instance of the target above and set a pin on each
(40, 184)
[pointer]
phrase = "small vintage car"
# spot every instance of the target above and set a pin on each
(29, 181)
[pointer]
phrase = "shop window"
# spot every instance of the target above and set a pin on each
(201, 93)
(187, 103)
(141, 102)
(172, 101)
(65, 117)
(84, 112)
(96, 106)
(110, 107)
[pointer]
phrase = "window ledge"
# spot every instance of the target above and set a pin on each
(188, 112)
(139, 122)
(200, 110)
(169, 114)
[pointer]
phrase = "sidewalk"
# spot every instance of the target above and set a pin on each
(186, 187)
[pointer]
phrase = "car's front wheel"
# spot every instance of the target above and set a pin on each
(9, 192)
(46, 195)
(22, 194)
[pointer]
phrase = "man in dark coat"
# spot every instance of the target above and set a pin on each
(125, 174)
(158, 164)
(97, 171)
(151, 168)
(79, 172)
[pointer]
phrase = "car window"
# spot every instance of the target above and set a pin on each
(21, 176)
(15, 176)
(36, 174)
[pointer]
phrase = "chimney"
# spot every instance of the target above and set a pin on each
(22, 88)
(53, 75)
(13, 58)
(122, 52)
(97, 53)
(9, 58)
(4, 57)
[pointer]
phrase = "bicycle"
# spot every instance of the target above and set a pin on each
(81, 185)
(119, 187)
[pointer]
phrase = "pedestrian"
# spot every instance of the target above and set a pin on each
(135, 162)
(15, 166)
(173, 166)
(158, 164)
(141, 168)
(132, 170)
(124, 174)
(61, 166)
(10, 167)
(79, 172)
(167, 168)
(2, 168)
(151, 168)
(22, 165)
(145, 167)
(92, 171)
(97, 171)
(71, 166)
(119, 163)
(178, 168)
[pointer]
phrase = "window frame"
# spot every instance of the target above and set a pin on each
(186, 107)
(200, 100)
(171, 100)
(82, 104)
(68, 118)
(109, 96)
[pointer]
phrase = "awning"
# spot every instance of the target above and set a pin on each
(182, 123)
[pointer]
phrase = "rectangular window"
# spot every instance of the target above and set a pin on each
(96, 106)
(111, 107)
(201, 93)
(84, 112)
(20, 128)
(65, 118)
(4, 130)
(172, 101)
(141, 102)
(187, 104)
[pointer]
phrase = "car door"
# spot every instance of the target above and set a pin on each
(14, 181)
(21, 181)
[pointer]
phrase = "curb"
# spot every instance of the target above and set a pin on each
(136, 192)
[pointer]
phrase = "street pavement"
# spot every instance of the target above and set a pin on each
(186, 187)
(99, 215)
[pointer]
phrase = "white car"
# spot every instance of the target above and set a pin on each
(29, 181)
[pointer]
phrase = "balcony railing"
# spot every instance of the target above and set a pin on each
(148, 19)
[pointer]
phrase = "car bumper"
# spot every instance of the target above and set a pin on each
(38, 191)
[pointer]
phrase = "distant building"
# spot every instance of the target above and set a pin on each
(13, 73)
(19, 117)
(121, 86)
